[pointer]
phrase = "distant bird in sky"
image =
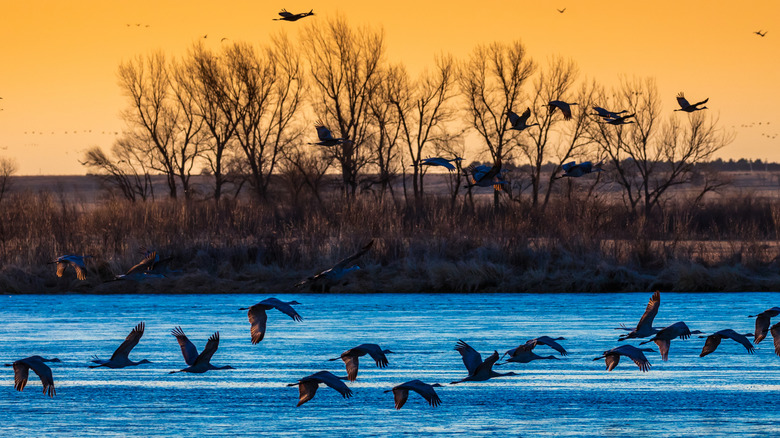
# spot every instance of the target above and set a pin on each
(439, 161)
(620, 120)
(120, 357)
(524, 353)
(485, 176)
(307, 386)
(713, 340)
(330, 277)
(288, 16)
(687, 107)
(198, 363)
(763, 320)
(520, 123)
(561, 10)
(760, 33)
(644, 327)
(574, 170)
(350, 358)
(326, 137)
(401, 392)
(205, 36)
(612, 357)
(77, 261)
(36, 363)
(606, 114)
(257, 316)
(479, 370)
(563, 106)
(665, 335)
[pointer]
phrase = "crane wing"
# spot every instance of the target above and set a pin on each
(130, 342)
(682, 101)
(652, 309)
(44, 372)
(400, 395)
(188, 349)
(144, 264)
(550, 342)
(209, 350)
(471, 357)
(344, 263)
(776, 337)
(376, 353)
(334, 382)
(731, 334)
(352, 364)
(21, 371)
(711, 344)
(306, 391)
(257, 319)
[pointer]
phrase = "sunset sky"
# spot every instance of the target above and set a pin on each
(59, 89)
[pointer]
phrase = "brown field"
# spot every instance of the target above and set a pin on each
(728, 243)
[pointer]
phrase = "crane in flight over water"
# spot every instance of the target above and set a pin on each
(479, 370)
(713, 340)
(36, 363)
(307, 386)
(120, 357)
(198, 363)
(77, 261)
(524, 353)
(288, 16)
(563, 106)
(520, 123)
(645, 326)
(763, 320)
(401, 392)
(257, 316)
(332, 276)
(350, 358)
(687, 107)
(142, 270)
(612, 357)
(664, 337)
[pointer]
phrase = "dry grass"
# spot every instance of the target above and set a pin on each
(244, 246)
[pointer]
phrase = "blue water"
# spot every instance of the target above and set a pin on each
(727, 392)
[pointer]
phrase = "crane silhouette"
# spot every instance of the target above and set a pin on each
(664, 337)
(524, 353)
(401, 392)
(687, 107)
(307, 386)
(644, 327)
(563, 106)
(288, 16)
(612, 357)
(22, 369)
(479, 370)
(120, 357)
(332, 276)
(520, 123)
(77, 261)
(198, 363)
(713, 340)
(763, 320)
(326, 137)
(350, 358)
(257, 316)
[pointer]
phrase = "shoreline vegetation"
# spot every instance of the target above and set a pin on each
(728, 243)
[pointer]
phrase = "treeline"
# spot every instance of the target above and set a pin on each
(244, 115)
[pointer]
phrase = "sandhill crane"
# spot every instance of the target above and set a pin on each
(439, 161)
(775, 330)
(479, 371)
(687, 107)
(198, 363)
(288, 16)
(645, 326)
(484, 176)
(620, 120)
(574, 170)
(524, 353)
(664, 337)
(563, 106)
(326, 137)
(142, 270)
(330, 277)
(612, 357)
(606, 114)
(519, 123)
(762, 323)
(307, 386)
(22, 368)
(350, 358)
(760, 33)
(714, 339)
(119, 359)
(257, 316)
(401, 392)
(77, 261)
(561, 10)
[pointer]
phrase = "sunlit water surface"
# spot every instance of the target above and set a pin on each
(727, 392)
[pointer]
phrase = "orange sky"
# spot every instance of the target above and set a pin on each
(59, 59)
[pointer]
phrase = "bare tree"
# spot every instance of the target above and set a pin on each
(8, 168)
(423, 111)
(345, 64)
(492, 82)
(303, 169)
(127, 173)
(162, 118)
(650, 156)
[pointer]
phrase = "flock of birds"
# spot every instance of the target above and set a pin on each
(478, 370)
